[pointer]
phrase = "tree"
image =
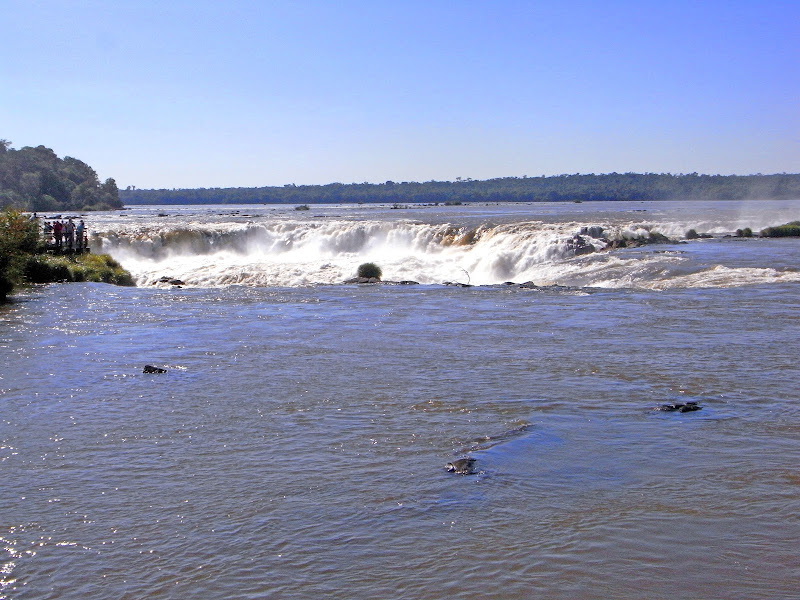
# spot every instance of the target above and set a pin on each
(37, 179)
(18, 235)
(109, 191)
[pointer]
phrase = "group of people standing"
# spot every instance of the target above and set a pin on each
(67, 235)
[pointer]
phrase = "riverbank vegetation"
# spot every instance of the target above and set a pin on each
(35, 179)
(574, 188)
(24, 259)
(788, 230)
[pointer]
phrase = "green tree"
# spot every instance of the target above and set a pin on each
(109, 192)
(19, 235)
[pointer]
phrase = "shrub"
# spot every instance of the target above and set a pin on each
(370, 270)
(746, 232)
(19, 236)
(788, 230)
(101, 268)
(40, 268)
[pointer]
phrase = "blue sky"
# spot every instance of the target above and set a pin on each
(249, 93)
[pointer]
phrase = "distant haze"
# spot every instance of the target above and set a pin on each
(249, 93)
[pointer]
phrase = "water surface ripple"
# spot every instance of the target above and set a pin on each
(296, 446)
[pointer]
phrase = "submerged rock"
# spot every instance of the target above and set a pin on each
(462, 466)
(680, 407)
(152, 369)
(361, 280)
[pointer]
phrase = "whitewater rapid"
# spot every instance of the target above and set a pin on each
(280, 247)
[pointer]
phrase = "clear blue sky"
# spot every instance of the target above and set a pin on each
(211, 93)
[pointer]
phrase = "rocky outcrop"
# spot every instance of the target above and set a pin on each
(152, 369)
(580, 245)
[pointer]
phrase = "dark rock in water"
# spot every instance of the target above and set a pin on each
(457, 284)
(580, 245)
(461, 466)
(595, 231)
(152, 369)
(361, 280)
(680, 407)
(171, 280)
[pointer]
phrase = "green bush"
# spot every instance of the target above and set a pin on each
(40, 268)
(370, 270)
(19, 236)
(100, 268)
(788, 230)
(746, 232)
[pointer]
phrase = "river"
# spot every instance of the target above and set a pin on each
(296, 445)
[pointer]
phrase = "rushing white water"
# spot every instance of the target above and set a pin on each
(256, 246)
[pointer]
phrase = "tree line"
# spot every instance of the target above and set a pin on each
(558, 188)
(36, 179)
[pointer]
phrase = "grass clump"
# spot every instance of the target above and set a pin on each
(369, 271)
(100, 268)
(788, 230)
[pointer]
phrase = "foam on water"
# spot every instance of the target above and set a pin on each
(207, 249)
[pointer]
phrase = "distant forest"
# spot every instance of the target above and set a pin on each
(35, 179)
(559, 188)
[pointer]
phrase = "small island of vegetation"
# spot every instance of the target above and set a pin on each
(788, 230)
